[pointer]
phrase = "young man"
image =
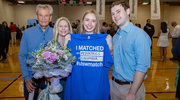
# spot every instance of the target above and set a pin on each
(131, 48)
(149, 28)
(31, 41)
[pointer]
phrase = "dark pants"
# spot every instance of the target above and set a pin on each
(40, 83)
(63, 83)
(6, 45)
(174, 41)
(178, 88)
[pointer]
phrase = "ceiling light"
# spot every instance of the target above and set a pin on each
(145, 3)
(71, 2)
(21, 2)
(88, 3)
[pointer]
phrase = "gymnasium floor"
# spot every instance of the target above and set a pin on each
(159, 83)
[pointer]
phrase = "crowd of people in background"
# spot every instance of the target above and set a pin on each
(7, 33)
(13, 32)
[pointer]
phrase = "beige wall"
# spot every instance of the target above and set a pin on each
(23, 13)
(20, 14)
(7, 12)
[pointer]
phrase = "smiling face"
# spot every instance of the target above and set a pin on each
(43, 18)
(120, 16)
(63, 28)
(89, 23)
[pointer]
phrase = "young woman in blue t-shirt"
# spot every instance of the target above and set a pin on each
(89, 78)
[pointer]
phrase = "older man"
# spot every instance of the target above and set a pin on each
(31, 40)
(175, 35)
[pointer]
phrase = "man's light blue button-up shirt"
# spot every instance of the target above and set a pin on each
(31, 41)
(131, 50)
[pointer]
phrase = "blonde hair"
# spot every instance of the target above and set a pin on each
(55, 29)
(44, 7)
(82, 30)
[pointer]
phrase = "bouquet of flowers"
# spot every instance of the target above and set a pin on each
(52, 60)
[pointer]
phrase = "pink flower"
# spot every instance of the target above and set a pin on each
(60, 52)
(53, 57)
(46, 55)
(47, 47)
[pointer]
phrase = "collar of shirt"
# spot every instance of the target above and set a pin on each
(126, 29)
(42, 30)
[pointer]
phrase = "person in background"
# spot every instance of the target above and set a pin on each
(104, 28)
(27, 26)
(13, 33)
(7, 36)
(51, 24)
(34, 24)
(163, 40)
(74, 27)
(111, 30)
(176, 53)
(32, 39)
(2, 43)
(149, 29)
(78, 26)
(89, 78)
(22, 29)
(138, 25)
(132, 58)
(175, 35)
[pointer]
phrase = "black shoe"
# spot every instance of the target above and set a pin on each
(173, 58)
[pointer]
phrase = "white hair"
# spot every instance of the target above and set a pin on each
(44, 6)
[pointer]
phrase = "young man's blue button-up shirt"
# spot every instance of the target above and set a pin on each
(131, 50)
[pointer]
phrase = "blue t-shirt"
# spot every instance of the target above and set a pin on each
(89, 78)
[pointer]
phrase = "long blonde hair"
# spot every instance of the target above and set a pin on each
(55, 30)
(82, 30)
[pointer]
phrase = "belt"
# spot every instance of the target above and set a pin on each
(121, 82)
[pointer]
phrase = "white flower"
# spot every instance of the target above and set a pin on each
(65, 57)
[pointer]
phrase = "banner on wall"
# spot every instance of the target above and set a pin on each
(155, 9)
(100, 8)
(133, 7)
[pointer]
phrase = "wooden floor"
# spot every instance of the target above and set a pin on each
(159, 83)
